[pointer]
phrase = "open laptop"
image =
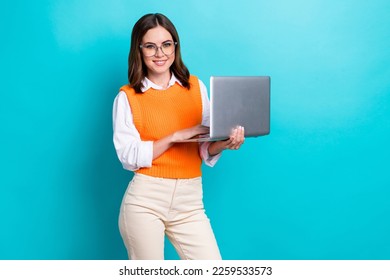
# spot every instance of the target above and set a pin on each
(238, 100)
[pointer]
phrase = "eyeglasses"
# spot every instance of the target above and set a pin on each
(150, 49)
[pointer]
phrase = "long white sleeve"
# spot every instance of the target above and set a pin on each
(131, 151)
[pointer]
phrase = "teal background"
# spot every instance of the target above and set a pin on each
(316, 188)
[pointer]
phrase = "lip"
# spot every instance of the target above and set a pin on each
(159, 62)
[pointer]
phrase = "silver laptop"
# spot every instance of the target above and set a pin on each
(238, 100)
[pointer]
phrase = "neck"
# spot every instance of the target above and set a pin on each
(160, 80)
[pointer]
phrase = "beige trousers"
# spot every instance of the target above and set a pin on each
(153, 207)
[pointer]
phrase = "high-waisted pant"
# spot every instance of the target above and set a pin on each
(153, 207)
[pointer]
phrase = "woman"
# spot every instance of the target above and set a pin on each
(161, 105)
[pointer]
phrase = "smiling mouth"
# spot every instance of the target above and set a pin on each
(159, 62)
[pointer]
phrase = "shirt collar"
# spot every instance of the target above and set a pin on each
(147, 84)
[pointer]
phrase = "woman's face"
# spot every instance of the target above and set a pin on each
(160, 63)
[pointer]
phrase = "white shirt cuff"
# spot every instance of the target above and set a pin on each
(204, 153)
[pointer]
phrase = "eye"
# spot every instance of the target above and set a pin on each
(150, 46)
(167, 45)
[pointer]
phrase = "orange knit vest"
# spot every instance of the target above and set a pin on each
(158, 113)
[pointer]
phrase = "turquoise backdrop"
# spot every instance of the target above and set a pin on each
(318, 187)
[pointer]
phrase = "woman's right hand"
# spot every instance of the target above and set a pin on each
(163, 144)
(191, 132)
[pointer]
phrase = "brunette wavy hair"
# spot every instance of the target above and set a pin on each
(137, 70)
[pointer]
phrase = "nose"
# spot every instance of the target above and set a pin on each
(159, 52)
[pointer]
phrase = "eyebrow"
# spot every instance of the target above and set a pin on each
(161, 43)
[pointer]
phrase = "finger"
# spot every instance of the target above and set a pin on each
(237, 138)
(236, 135)
(204, 129)
(232, 145)
(200, 130)
(241, 135)
(233, 134)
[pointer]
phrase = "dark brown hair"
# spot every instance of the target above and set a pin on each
(137, 70)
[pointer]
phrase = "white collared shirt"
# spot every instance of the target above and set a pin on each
(134, 153)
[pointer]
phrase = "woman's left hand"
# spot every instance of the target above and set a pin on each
(236, 139)
(234, 142)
